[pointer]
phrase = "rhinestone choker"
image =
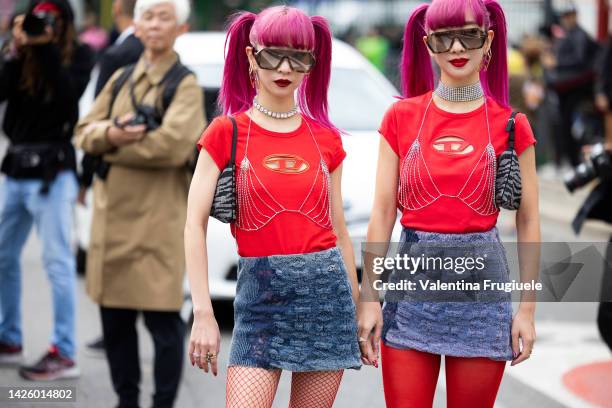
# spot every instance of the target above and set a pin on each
(275, 115)
(461, 93)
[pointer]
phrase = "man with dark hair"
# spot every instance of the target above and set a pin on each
(126, 49)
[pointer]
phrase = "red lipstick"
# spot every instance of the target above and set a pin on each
(282, 82)
(459, 62)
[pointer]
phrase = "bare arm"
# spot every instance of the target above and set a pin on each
(528, 230)
(205, 336)
(382, 220)
(343, 240)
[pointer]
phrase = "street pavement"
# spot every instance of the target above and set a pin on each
(567, 338)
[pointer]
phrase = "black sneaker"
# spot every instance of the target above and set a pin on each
(52, 366)
(95, 348)
(10, 354)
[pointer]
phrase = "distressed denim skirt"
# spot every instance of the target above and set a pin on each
(294, 312)
(477, 327)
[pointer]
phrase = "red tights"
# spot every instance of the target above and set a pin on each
(410, 378)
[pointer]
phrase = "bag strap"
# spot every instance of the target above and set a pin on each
(234, 139)
(510, 129)
(171, 81)
(118, 84)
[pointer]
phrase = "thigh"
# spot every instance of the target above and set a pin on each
(162, 324)
(409, 377)
(251, 387)
(117, 323)
(15, 221)
(316, 389)
(53, 212)
(472, 382)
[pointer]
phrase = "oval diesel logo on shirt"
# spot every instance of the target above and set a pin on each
(285, 163)
(453, 145)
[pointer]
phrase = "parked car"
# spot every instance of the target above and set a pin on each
(358, 97)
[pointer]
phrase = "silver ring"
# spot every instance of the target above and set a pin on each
(195, 355)
(361, 340)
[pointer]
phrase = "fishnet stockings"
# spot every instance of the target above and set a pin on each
(316, 389)
(250, 387)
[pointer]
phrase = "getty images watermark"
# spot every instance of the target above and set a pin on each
(487, 271)
(457, 265)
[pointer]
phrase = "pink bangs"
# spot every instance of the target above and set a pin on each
(283, 26)
(452, 13)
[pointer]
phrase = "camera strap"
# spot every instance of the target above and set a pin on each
(170, 82)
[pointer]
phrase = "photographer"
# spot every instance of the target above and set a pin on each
(135, 262)
(597, 165)
(43, 72)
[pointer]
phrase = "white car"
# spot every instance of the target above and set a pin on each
(359, 95)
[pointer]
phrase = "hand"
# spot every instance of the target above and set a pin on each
(601, 102)
(81, 196)
(587, 149)
(548, 60)
(205, 338)
(22, 39)
(523, 328)
(369, 323)
(125, 135)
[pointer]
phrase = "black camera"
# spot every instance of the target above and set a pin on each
(34, 24)
(144, 115)
(598, 165)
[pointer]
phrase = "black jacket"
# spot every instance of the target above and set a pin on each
(118, 56)
(604, 79)
(50, 114)
(576, 54)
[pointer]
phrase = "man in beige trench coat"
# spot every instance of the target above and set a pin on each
(136, 258)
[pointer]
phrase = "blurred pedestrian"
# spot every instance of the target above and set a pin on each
(136, 260)
(374, 47)
(438, 164)
(571, 73)
(92, 34)
(125, 51)
(45, 70)
(603, 89)
(297, 283)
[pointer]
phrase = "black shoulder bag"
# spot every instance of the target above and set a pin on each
(224, 202)
(508, 181)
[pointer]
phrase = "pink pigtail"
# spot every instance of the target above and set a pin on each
(312, 95)
(236, 93)
(495, 79)
(417, 75)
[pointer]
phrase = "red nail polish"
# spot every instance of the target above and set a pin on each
(376, 363)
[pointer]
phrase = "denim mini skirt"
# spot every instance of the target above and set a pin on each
(477, 328)
(294, 312)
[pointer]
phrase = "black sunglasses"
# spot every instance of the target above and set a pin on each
(442, 41)
(272, 58)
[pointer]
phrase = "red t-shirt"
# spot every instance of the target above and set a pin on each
(282, 197)
(451, 170)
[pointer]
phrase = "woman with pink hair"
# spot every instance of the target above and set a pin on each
(295, 298)
(438, 162)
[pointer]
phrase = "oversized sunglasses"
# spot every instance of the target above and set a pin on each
(272, 58)
(442, 41)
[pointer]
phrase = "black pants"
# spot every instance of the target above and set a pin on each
(566, 145)
(121, 345)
